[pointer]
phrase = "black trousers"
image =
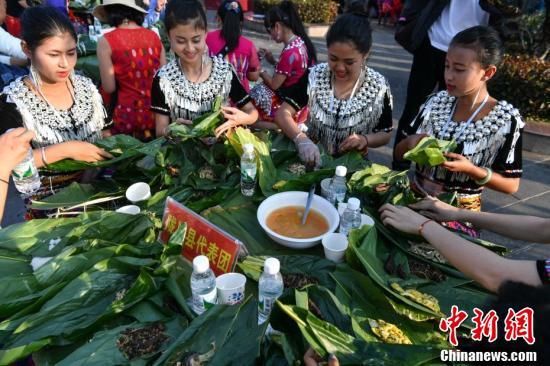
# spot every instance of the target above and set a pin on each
(426, 76)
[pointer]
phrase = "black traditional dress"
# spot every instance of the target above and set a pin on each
(493, 141)
(332, 120)
(83, 121)
(175, 96)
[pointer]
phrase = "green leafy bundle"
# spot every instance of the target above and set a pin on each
(430, 151)
(202, 126)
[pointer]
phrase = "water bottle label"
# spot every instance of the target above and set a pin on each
(248, 175)
(266, 304)
(204, 302)
(24, 170)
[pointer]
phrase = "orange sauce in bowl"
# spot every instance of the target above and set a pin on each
(287, 221)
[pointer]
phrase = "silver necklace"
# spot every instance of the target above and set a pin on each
(50, 105)
(348, 100)
(464, 125)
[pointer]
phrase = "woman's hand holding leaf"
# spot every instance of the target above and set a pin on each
(435, 209)
(458, 164)
(85, 151)
(401, 218)
(235, 117)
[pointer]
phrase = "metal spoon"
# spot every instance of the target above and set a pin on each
(308, 203)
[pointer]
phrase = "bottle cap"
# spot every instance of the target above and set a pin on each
(353, 203)
(341, 171)
(201, 264)
(272, 266)
(248, 148)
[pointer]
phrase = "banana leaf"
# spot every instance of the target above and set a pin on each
(12, 262)
(222, 335)
(202, 126)
(32, 238)
(430, 151)
(102, 348)
(84, 302)
(365, 300)
(369, 252)
(77, 194)
(325, 338)
(122, 147)
(448, 292)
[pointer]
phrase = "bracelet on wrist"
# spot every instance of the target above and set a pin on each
(487, 179)
(421, 227)
(366, 148)
(43, 156)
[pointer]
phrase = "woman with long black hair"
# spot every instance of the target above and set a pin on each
(229, 43)
(284, 25)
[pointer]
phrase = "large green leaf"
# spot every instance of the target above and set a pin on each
(325, 338)
(430, 151)
(231, 331)
(102, 349)
(123, 147)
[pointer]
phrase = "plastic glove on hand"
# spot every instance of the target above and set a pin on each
(308, 152)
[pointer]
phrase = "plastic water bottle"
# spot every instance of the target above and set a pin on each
(25, 175)
(351, 218)
(248, 170)
(203, 285)
(270, 288)
(338, 186)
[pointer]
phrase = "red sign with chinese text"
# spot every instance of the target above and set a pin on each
(516, 325)
(202, 237)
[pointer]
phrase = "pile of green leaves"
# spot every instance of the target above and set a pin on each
(108, 276)
(75, 308)
(191, 169)
(378, 184)
(430, 151)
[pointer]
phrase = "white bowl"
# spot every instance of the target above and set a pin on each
(295, 198)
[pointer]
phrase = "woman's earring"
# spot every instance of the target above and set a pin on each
(35, 77)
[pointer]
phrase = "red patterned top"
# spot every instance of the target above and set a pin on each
(135, 54)
(293, 62)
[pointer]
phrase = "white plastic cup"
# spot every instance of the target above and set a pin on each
(129, 209)
(230, 287)
(138, 192)
(335, 245)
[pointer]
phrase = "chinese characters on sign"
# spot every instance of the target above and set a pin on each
(516, 325)
(201, 238)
